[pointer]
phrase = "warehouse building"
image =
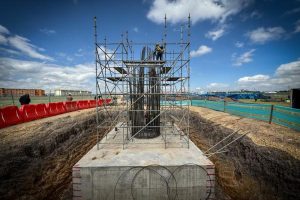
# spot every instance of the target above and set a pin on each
(60, 92)
(19, 92)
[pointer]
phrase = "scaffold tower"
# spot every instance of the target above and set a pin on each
(147, 93)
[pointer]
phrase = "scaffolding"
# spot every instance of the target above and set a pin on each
(148, 95)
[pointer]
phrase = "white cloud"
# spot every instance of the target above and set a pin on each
(136, 29)
(32, 74)
(10, 51)
(3, 30)
(203, 49)
(216, 34)
(3, 39)
(291, 12)
(78, 54)
(243, 58)
(48, 31)
(24, 45)
(262, 35)
(217, 85)
(239, 44)
(65, 56)
(297, 27)
(105, 53)
(253, 15)
(289, 69)
(253, 79)
(21, 44)
(285, 77)
(200, 10)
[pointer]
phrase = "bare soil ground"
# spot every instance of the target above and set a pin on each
(264, 164)
(37, 157)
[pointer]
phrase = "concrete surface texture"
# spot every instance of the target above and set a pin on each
(144, 169)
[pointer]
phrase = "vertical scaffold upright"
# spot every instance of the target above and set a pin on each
(149, 95)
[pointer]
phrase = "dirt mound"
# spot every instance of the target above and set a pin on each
(261, 165)
(37, 158)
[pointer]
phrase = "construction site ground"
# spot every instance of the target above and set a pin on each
(37, 157)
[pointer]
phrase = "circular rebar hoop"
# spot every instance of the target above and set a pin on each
(200, 167)
(165, 178)
(153, 170)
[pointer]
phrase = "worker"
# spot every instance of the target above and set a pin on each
(159, 50)
(69, 97)
(24, 99)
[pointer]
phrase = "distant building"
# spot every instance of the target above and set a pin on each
(20, 92)
(73, 92)
(278, 95)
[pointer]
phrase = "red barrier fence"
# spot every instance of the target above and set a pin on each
(52, 109)
(28, 112)
(74, 105)
(2, 123)
(70, 106)
(108, 101)
(100, 102)
(41, 111)
(60, 107)
(92, 103)
(84, 104)
(12, 115)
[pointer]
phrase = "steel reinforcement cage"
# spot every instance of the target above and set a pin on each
(147, 95)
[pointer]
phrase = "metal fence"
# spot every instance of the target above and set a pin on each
(289, 117)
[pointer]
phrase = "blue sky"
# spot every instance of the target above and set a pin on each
(237, 44)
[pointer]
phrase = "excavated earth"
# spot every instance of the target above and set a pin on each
(264, 164)
(37, 157)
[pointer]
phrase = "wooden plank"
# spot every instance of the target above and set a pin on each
(173, 78)
(120, 70)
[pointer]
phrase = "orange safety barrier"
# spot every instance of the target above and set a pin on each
(41, 110)
(108, 101)
(52, 109)
(10, 116)
(70, 106)
(2, 123)
(28, 112)
(83, 104)
(74, 105)
(100, 102)
(60, 108)
(92, 103)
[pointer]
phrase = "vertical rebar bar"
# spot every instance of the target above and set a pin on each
(96, 67)
(189, 49)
